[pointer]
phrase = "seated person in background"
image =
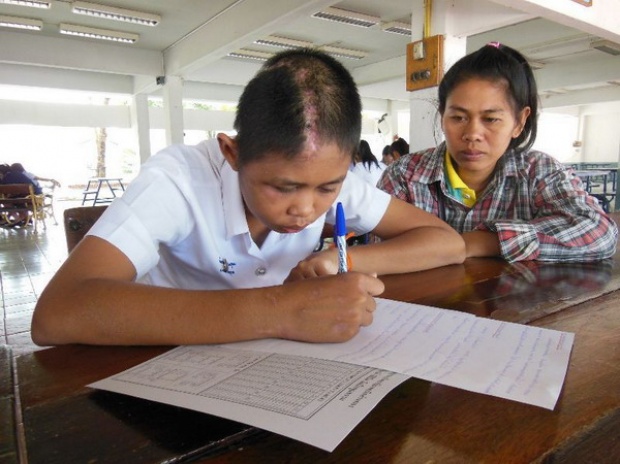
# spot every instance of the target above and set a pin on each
(368, 168)
(366, 165)
(485, 180)
(18, 167)
(13, 218)
(213, 243)
(4, 170)
(399, 148)
(386, 156)
(12, 176)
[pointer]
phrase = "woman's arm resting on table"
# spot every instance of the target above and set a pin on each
(93, 299)
(480, 243)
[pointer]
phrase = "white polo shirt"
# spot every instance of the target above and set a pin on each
(182, 224)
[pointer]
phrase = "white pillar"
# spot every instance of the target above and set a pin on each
(173, 107)
(425, 126)
(141, 125)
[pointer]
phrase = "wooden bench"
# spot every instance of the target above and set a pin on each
(20, 199)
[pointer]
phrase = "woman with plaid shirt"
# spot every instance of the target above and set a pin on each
(485, 181)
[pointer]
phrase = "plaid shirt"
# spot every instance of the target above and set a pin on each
(538, 208)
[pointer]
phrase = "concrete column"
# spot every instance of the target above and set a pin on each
(425, 125)
(140, 123)
(173, 107)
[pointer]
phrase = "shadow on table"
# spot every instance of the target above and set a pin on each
(129, 430)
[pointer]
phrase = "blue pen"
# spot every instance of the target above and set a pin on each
(341, 239)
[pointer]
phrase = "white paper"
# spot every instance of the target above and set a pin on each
(312, 400)
(317, 393)
(514, 361)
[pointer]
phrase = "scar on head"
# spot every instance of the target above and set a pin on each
(307, 78)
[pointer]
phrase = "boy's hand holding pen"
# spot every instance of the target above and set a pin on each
(324, 262)
(335, 307)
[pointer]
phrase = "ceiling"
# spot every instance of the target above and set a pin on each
(194, 38)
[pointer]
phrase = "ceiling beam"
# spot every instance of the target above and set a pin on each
(233, 28)
(65, 53)
(600, 19)
(468, 17)
(575, 74)
(609, 96)
(65, 79)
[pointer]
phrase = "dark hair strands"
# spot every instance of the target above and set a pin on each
(273, 111)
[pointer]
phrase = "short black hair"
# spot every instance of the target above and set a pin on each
(499, 63)
(298, 94)
(400, 146)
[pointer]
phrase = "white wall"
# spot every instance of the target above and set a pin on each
(556, 134)
(601, 138)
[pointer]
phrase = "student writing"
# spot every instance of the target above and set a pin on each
(213, 243)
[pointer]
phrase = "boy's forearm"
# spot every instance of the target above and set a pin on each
(112, 312)
(415, 250)
(108, 312)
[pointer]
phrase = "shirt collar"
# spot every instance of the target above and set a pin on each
(456, 185)
(232, 202)
(452, 176)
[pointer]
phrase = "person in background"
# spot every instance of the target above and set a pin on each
(366, 165)
(387, 157)
(15, 176)
(399, 148)
(370, 169)
(17, 217)
(18, 167)
(4, 170)
(487, 182)
(214, 243)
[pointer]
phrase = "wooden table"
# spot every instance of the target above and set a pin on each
(58, 420)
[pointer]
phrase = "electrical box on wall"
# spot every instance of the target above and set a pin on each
(424, 63)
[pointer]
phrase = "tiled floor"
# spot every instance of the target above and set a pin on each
(27, 262)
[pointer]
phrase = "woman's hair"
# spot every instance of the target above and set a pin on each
(299, 98)
(365, 155)
(498, 63)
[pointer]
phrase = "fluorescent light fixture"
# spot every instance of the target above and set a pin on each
(606, 46)
(344, 52)
(351, 18)
(115, 14)
(102, 34)
(32, 3)
(536, 64)
(253, 55)
(397, 27)
(21, 23)
(282, 42)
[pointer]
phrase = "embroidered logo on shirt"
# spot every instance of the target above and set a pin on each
(226, 266)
